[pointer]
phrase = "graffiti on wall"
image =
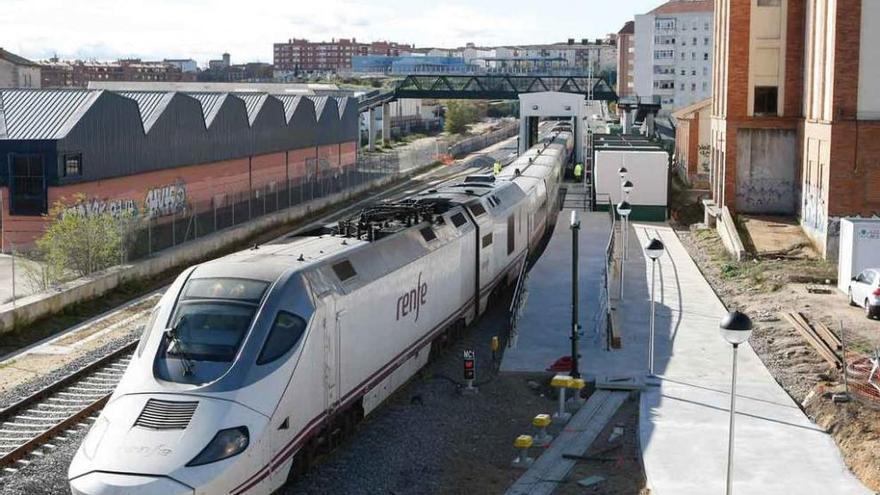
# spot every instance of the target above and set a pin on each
(165, 200)
(159, 201)
(705, 153)
(98, 206)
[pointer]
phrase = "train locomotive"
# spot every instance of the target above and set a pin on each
(252, 363)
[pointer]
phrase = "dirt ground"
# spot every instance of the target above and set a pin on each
(617, 462)
(764, 287)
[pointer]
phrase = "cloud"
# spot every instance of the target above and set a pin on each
(203, 29)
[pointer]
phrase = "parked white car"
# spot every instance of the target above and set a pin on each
(864, 291)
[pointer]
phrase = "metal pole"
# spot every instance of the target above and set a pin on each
(12, 251)
(625, 236)
(843, 356)
(651, 348)
(730, 433)
(622, 270)
(575, 228)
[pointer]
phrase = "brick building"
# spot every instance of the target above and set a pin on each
(692, 136)
(329, 56)
(58, 74)
(796, 112)
(157, 153)
(625, 60)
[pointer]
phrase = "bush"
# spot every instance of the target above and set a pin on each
(459, 115)
(81, 242)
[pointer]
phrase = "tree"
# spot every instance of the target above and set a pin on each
(460, 114)
(80, 241)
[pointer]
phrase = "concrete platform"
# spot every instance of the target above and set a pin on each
(684, 420)
(545, 324)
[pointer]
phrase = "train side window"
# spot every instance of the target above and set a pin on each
(487, 240)
(344, 270)
(428, 234)
(286, 332)
(458, 220)
(477, 209)
(511, 233)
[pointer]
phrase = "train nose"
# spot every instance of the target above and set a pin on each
(126, 484)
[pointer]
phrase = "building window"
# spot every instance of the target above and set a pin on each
(766, 100)
(706, 56)
(768, 3)
(28, 186)
(705, 86)
(72, 165)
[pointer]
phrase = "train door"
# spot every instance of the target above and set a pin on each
(332, 335)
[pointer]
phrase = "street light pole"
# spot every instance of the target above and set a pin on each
(575, 229)
(736, 328)
(623, 209)
(654, 250)
(626, 187)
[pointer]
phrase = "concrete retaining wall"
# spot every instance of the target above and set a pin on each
(29, 309)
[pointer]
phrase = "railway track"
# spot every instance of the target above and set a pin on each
(29, 425)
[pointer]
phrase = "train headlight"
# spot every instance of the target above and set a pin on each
(225, 444)
(93, 439)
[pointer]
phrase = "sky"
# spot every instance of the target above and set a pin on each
(203, 29)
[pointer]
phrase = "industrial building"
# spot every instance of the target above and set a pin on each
(796, 114)
(154, 152)
(647, 167)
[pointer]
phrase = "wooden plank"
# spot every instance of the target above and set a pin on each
(808, 334)
(575, 439)
(829, 336)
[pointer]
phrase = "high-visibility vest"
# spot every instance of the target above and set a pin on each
(497, 168)
(578, 170)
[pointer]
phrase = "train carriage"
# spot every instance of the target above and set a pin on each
(251, 362)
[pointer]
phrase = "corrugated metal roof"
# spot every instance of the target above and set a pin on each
(253, 102)
(43, 114)
(290, 104)
(320, 103)
(150, 104)
(340, 105)
(211, 103)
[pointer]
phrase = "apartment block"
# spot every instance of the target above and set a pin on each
(332, 56)
(673, 53)
(796, 113)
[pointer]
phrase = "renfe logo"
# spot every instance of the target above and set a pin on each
(413, 300)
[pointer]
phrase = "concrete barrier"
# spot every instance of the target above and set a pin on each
(28, 309)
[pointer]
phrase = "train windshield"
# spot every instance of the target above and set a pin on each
(212, 318)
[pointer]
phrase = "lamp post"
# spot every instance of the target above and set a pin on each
(622, 171)
(627, 188)
(623, 209)
(736, 328)
(575, 228)
(654, 250)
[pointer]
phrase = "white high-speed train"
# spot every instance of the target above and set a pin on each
(253, 363)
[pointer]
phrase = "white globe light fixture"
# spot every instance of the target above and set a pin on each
(654, 249)
(736, 328)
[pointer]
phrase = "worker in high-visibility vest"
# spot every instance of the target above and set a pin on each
(496, 168)
(578, 172)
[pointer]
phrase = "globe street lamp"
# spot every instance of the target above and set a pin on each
(736, 328)
(654, 250)
(627, 188)
(623, 209)
(622, 171)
